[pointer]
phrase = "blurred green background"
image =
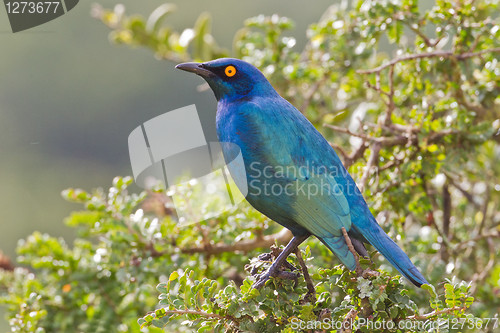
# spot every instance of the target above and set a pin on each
(69, 99)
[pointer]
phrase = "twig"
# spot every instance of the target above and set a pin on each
(426, 39)
(446, 220)
(385, 141)
(478, 277)
(312, 91)
(466, 194)
(348, 320)
(349, 159)
(404, 128)
(347, 131)
(340, 150)
(437, 136)
(376, 87)
(390, 96)
(198, 313)
(358, 153)
(372, 163)
(435, 208)
(311, 293)
(467, 242)
(484, 211)
(434, 54)
(437, 312)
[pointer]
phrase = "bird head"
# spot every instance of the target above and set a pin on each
(229, 78)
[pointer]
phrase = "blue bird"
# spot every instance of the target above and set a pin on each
(293, 174)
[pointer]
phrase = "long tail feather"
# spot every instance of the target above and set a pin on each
(393, 253)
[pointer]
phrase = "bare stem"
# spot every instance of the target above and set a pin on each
(433, 54)
(436, 313)
(311, 293)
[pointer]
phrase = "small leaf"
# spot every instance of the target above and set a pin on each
(430, 288)
(162, 288)
(157, 16)
(174, 275)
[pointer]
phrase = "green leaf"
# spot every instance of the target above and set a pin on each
(174, 275)
(158, 15)
(430, 288)
(162, 288)
(201, 46)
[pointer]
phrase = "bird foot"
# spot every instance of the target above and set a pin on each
(262, 279)
(369, 273)
(265, 276)
(365, 273)
(273, 270)
(359, 270)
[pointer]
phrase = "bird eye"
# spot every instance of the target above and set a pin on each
(230, 71)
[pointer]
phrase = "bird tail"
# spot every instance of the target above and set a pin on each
(376, 236)
(339, 247)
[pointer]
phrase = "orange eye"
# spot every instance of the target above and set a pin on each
(230, 71)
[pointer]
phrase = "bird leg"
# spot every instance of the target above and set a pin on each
(364, 273)
(275, 252)
(359, 270)
(274, 270)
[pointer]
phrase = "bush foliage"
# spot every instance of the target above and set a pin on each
(418, 127)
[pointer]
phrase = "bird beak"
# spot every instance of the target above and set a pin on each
(195, 67)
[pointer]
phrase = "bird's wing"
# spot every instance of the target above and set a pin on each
(321, 207)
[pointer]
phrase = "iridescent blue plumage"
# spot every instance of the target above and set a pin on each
(293, 175)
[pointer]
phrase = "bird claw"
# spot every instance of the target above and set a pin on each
(280, 262)
(265, 257)
(261, 279)
(369, 273)
(264, 277)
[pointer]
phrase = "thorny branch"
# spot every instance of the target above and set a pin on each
(433, 54)
(311, 291)
(437, 312)
(200, 313)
